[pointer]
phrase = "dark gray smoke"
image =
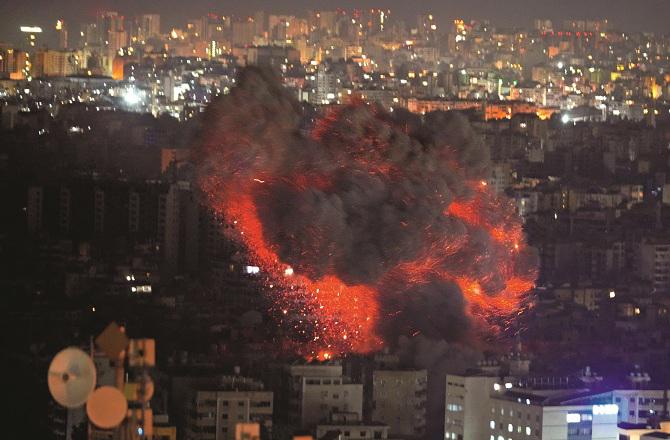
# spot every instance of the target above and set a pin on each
(360, 194)
(439, 358)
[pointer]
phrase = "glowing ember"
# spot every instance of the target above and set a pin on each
(366, 227)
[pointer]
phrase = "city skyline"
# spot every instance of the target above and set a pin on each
(647, 16)
(255, 222)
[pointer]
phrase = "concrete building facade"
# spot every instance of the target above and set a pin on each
(317, 392)
(215, 411)
(465, 397)
(399, 400)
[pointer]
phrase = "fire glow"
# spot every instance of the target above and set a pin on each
(366, 227)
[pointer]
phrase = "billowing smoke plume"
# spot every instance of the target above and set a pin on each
(368, 225)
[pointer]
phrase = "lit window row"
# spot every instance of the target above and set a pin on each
(510, 428)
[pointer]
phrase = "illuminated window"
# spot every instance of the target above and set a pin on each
(573, 418)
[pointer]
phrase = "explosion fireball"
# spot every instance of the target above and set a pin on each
(367, 225)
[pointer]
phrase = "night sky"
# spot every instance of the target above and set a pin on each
(632, 15)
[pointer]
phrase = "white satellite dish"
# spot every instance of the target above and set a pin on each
(107, 407)
(71, 377)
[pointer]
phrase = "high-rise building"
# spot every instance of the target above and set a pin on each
(4, 63)
(31, 34)
(399, 400)
(216, 28)
(109, 21)
(637, 406)
(543, 414)
(196, 28)
(220, 409)
(276, 56)
(167, 215)
(375, 20)
(586, 25)
(652, 261)
(208, 28)
(12, 61)
(326, 87)
(61, 31)
(116, 40)
(35, 208)
(500, 177)
(326, 20)
(260, 18)
(543, 25)
(317, 392)
(21, 67)
(427, 27)
(149, 26)
(111, 32)
(52, 63)
(286, 27)
(244, 32)
(465, 397)
(89, 35)
(178, 225)
(349, 427)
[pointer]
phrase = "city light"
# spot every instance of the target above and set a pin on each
(605, 410)
(31, 29)
(573, 418)
(252, 270)
(393, 190)
(131, 96)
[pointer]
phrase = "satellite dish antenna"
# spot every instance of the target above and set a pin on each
(71, 377)
(107, 407)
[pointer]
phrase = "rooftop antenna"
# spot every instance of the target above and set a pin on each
(72, 380)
